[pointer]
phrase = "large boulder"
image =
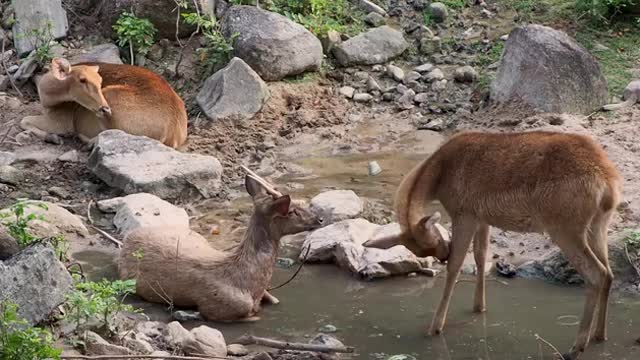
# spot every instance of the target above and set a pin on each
(235, 92)
(274, 46)
(51, 219)
(140, 164)
(547, 70)
(143, 210)
(8, 245)
(376, 46)
(35, 15)
(106, 53)
(36, 281)
(337, 205)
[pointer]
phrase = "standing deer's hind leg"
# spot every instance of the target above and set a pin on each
(575, 248)
(480, 247)
(462, 233)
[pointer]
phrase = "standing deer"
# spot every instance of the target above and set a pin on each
(88, 98)
(181, 268)
(562, 184)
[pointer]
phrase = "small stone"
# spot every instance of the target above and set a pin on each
(347, 91)
(439, 85)
(465, 74)
(70, 156)
(6, 158)
(206, 341)
(405, 102)
(59, 192)
(284, 263)
(430, 45)
(438, 12)
(139, 346)
(328, 340)
(387, 97)
(177, 336)
(402, 89)
(433, 125)
(429, 272)
(420, 4)
(401, 357)
(96, 345)
(372, 85)
(10, 175)
(183, 315)
(361, 75)
(504, 37)
(395, 72)
(434, 75)
(328, 329)
(421, 98)
(362, 97)
(374, 19)
(330, 40)
(412, 76)
(424, 68)
(237, 350)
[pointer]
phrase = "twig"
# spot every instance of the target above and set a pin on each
(254, 340)
(183, 46)
(550, 345)
(626, 251)
(131, 51)
(297, 271)
(6, 134)
(89, 212)
(170, 357)
(109, 237)
(4, 66)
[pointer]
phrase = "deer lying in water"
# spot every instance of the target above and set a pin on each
(89, 98)
(562, 184)
(181, 268)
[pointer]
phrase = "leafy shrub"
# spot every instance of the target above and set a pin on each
(322, 16)
(17, 222)
(218, 50)
(19, 341)
(603, 11)
(136, 33)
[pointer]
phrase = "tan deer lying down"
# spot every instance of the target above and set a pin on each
(181, 268)
(89, 98)
(562, 184)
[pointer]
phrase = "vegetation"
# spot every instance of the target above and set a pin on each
(43, 42)
(632, 240)
(19, 341)
(136, 33)
(454, 4)
(218, 50)
(17, 222)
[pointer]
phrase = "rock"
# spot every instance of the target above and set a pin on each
(138, 346)
(284, 263)
(401, 357)
(567, 79)
(430, 45)
(235, 92)
(438, 12)
(374, 19)
(465, 74)
(434, 75)
(36, 281)
(237, 350)
(347, 91)
(8, 245)
(324, 240)
(106, 53)
(70, 156)
(182, 315)
(421, 98)
(330, 40)
(433, 125)
(57, 220)
(33, 15)
(375, 46)
(472, 269)
(369, 6)
(405, 102)
(144, 210)
(206, 341)
(420, 4)
(505, 269)
(411, 77)
(151, 329)
(274, 46)
(7, 158)
(395, 72)
(553, 267)
(328, 328)
(139, 164)
(372, 85)
(10, 175)
(372, 263)
(176, 336)
(96, 345)
(60, 192)
(337, 205)
(439, 85)
(362, 97)
(328, 340)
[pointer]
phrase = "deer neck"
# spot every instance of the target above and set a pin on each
(53, 91)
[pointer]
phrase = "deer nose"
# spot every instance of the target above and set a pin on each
(320, 221)
(105, 110)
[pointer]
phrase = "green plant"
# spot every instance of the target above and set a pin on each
(42, 40)
(19, 341)
(17, 222)
(61, 247)
(632, 240)
(218, 49)
(101, 300)
(135, 32)
(454, 4)
(427, 18)
(602, 11)
(322, 16)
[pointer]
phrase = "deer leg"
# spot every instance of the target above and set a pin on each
(266, 297)
(575, 248)
(597, 237)
(480, 247)
(462, 232)
(44, 128)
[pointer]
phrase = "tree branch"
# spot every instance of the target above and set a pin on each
(254, 340)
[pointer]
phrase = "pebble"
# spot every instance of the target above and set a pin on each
(362, 97)
(347, 91)
(412, 76)
(439, 85)
(434, 75)
(10, 175)
(328, 329)
(182, 315)
(284, 263)
(424, 68)
(395, 72)
(375, 19)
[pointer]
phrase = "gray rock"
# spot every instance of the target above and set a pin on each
(106, 53)
(206, 341)
(362, 97)
(553, 267)
(70, 156)
(546, 69)
(57, 220)
(96, 345)
(328, 328)
(465, 74)
(324, 240)
(183, 315)
(405, 102)
(10, 175)
(8, 245)
(421, 98)
(434, 75)
(439, 85)
(274, 46)
(33, 15)
(372, 85)
(139, 164)
(328, 340)
(144, 210)
(438, 11)
(36, 281)
(433, 125)
(395, 72)
(412, 76)
(369, 6)
(330, 40)
(150, 329)
(337, 205)
(235, 92)
(347, 91)
(375, 46)
(374, 19)
(138, 346)
(176, 336)
(7, 158)
(237, 350)
(430, 45)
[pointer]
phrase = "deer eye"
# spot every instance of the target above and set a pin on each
(83, 80)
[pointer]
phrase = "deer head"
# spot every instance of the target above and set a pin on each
(426, 238)
(83, 85)
(283, 215)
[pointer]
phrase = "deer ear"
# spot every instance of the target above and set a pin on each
(60, 68)
(281, 205)
(253, 187)
(431, 220)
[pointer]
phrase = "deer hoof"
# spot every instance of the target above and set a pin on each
(599, 338)
(53, 139)
(479, 309)
(435, 332)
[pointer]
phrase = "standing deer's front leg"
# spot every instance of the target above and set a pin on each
(463, 230)
(480, 247)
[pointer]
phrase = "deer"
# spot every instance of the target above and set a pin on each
(563, 184)
(181, 268)
(90, 97)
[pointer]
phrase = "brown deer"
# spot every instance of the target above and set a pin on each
(562, 184)
(181, 268)
(88, 98)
